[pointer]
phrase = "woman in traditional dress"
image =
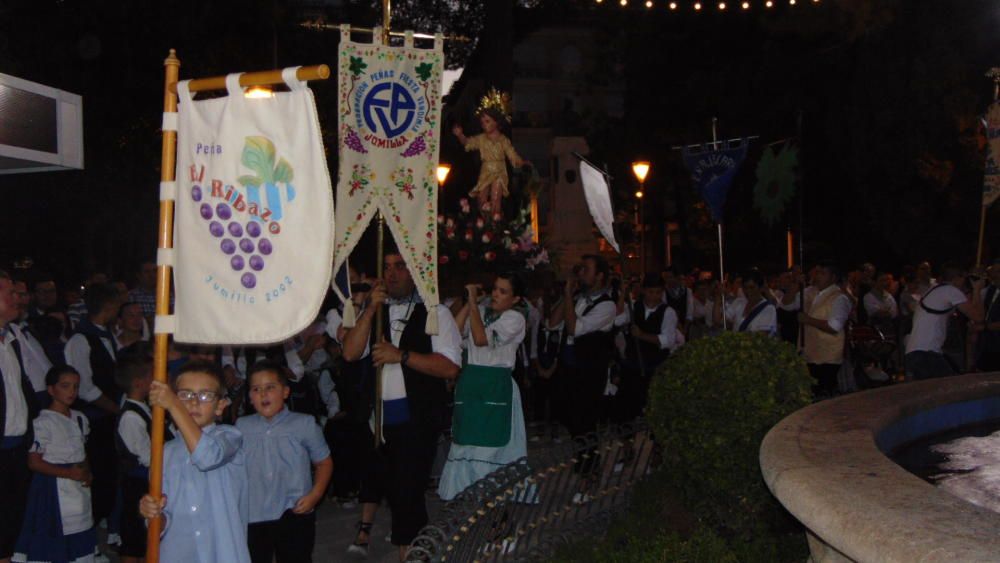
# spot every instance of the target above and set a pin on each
(488, 425)
(494, 150)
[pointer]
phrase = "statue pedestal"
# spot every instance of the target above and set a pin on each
(570, 226)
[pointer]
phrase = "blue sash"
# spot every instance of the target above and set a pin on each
(753, 315)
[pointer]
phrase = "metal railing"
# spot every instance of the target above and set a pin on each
(525, 511)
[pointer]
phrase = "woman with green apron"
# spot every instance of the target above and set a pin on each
(488, 423)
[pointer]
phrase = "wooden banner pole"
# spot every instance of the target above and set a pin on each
(995, 75)
(166, 240)
(380, 259)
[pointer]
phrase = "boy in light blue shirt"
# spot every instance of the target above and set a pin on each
(204, 508)
(280, 447)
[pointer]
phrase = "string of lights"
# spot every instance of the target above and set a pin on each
(698, 6)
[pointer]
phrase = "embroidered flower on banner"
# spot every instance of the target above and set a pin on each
(403, 180)
(361, 176)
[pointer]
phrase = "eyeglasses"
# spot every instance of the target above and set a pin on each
(202, 396)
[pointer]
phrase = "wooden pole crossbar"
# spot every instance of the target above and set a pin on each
(168, 164)
(994, 73)
(259, 78)
(336, 27)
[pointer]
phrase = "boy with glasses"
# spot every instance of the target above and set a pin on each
(204, 508)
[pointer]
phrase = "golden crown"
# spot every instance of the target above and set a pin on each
(497, 101)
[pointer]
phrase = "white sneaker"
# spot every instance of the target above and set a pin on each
(358, 550)
(114, 539)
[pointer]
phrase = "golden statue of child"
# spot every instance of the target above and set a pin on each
(494, 148)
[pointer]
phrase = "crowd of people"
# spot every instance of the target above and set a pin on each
(259, 436)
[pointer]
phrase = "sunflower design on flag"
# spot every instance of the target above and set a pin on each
(775, 182)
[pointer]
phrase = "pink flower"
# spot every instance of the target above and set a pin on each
(440, 219)
(468, 235)
(487, 237)
(490, 256)
(450, 233)
(514, 247)
(443, 259)
(497, 217)
(450, 223)
(487, 206)
(480, 223)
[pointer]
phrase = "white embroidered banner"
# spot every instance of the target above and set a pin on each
(252, 228)
(390, 107)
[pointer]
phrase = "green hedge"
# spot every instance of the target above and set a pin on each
(710, 406)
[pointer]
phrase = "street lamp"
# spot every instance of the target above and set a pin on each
(641, 168)
(442, 173)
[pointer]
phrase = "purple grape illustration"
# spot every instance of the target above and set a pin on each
(246, 245)
(236, 229)
(248, 280)
(196, 193)
(223, 211)
(206, 211)
(228, 246)
(264, 246)
(253, 229)
(416, 147)
(256, 263)
(353, 142)
(216, 229)
(237, 262)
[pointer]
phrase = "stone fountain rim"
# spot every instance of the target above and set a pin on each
(822, 462)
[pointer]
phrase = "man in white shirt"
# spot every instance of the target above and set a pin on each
(652, 337)
(825, 315)
(587, 319)
(415, 367)
(17, 409)
(33, 359)
(92, 352)
(924, 357)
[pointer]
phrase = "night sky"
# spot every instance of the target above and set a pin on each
(888, 92)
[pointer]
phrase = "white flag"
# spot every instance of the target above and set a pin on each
(597, 192)
(254, 216)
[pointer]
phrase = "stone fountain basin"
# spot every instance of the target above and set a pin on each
(827, 465)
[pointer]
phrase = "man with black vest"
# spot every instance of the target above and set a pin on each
(653, 336)
(92, 352)
(678, 296)
(587, 320)
(415, 369)
(17, 409)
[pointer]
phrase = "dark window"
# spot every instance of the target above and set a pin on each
(28, 120)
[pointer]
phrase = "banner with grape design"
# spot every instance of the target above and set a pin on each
(252, 231)
(389, 113)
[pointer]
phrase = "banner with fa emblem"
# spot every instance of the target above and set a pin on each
(389, 111)
(252, 232)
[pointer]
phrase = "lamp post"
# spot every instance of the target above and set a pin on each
(641, 168)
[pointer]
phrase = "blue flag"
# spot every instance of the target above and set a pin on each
(713, 167)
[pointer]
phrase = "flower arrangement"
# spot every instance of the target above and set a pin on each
(470, 241)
